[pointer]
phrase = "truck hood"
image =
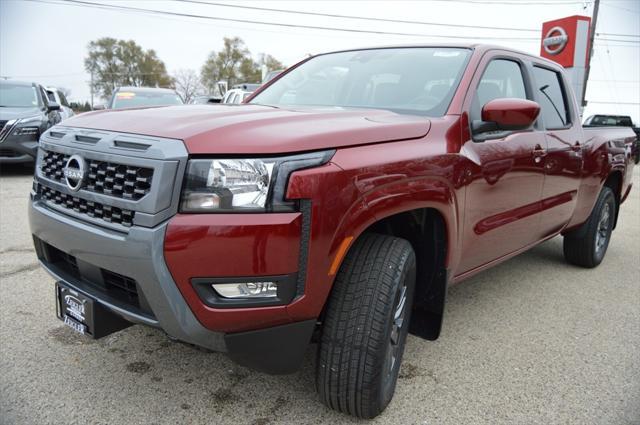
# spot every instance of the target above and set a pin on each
(10, 113)
(256, 129)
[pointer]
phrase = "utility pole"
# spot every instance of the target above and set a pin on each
(91, 88)
(592, 35)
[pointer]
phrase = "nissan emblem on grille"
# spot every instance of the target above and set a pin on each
(75, 172)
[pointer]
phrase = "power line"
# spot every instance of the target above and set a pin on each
(247, 21)
(522, 2)
(618, 35)
(613, 103)
(617, 40)
(279, 24)
(361, 18)
(617, 81)
(621, 8)
(89, 4)
(397, 21)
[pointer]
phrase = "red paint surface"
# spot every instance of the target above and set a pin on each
(511, 113)
(229, 245)
(254, 129)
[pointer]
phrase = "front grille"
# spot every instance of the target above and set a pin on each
(91, 278)
(2, 123)
(92, 209)
(109, 178)
(123, 284)
(9, 153)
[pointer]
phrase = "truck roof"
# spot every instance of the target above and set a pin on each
(479, 47)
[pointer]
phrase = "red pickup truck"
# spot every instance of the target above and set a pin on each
(336, 204)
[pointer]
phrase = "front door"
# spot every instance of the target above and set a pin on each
(502, 203)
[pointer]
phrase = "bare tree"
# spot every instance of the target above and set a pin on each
(187, 83)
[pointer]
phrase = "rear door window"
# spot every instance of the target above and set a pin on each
(552, 96)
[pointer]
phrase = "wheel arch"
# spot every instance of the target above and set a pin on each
(424, 213)
(614, 182)
(426, 230)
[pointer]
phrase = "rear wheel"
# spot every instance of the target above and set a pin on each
(587, 245)
(365, 326)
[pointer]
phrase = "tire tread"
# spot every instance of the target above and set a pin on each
(355, 324)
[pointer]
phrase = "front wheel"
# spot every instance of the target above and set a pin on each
(365, 326)
(587, 245)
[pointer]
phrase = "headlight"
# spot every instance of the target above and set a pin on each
(27, 131)
(28, 128)
(237, 185)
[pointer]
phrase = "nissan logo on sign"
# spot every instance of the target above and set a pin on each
(75, 172)
(555, 40)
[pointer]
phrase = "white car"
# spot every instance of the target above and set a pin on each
(55, 95)
(235, 96)
(239, 93)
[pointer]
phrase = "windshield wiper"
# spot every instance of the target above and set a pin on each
(542, 89)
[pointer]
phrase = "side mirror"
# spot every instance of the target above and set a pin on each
(53, 106)
(507, 114)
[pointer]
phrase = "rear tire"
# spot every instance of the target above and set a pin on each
(587, 245)
(365, 326)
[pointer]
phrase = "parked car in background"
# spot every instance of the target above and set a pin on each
(271, 75)
(239, 93)
(204, 99)
(136, 97)
(55, 95)
(616, 121)
(25, 113)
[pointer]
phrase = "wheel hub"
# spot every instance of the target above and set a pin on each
(396, 327)
(602, 233)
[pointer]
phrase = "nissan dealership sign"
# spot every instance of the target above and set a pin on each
(566, 41)
(555, 40)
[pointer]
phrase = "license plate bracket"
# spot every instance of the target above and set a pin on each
(85, 315)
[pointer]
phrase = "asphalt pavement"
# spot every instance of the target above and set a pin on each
(531, 341)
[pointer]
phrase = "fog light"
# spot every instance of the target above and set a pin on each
(247, 289)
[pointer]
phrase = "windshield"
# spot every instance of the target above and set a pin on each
(405, 80)
(18, 96)
(131, 99)
(611, 120)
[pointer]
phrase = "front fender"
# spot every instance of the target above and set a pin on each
(359, 187)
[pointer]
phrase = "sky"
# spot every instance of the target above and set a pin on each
(46, 40)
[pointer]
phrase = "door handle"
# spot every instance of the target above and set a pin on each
(538, 153)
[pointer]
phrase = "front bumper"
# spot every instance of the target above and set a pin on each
(138, 255)
(14, 150)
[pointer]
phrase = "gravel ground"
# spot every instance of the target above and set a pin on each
(533, 340)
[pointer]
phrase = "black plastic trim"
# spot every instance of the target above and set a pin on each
(305, 237)
(277, 350)
(286, 291)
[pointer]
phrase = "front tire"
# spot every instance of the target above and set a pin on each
(365, 326)
(587, 245)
